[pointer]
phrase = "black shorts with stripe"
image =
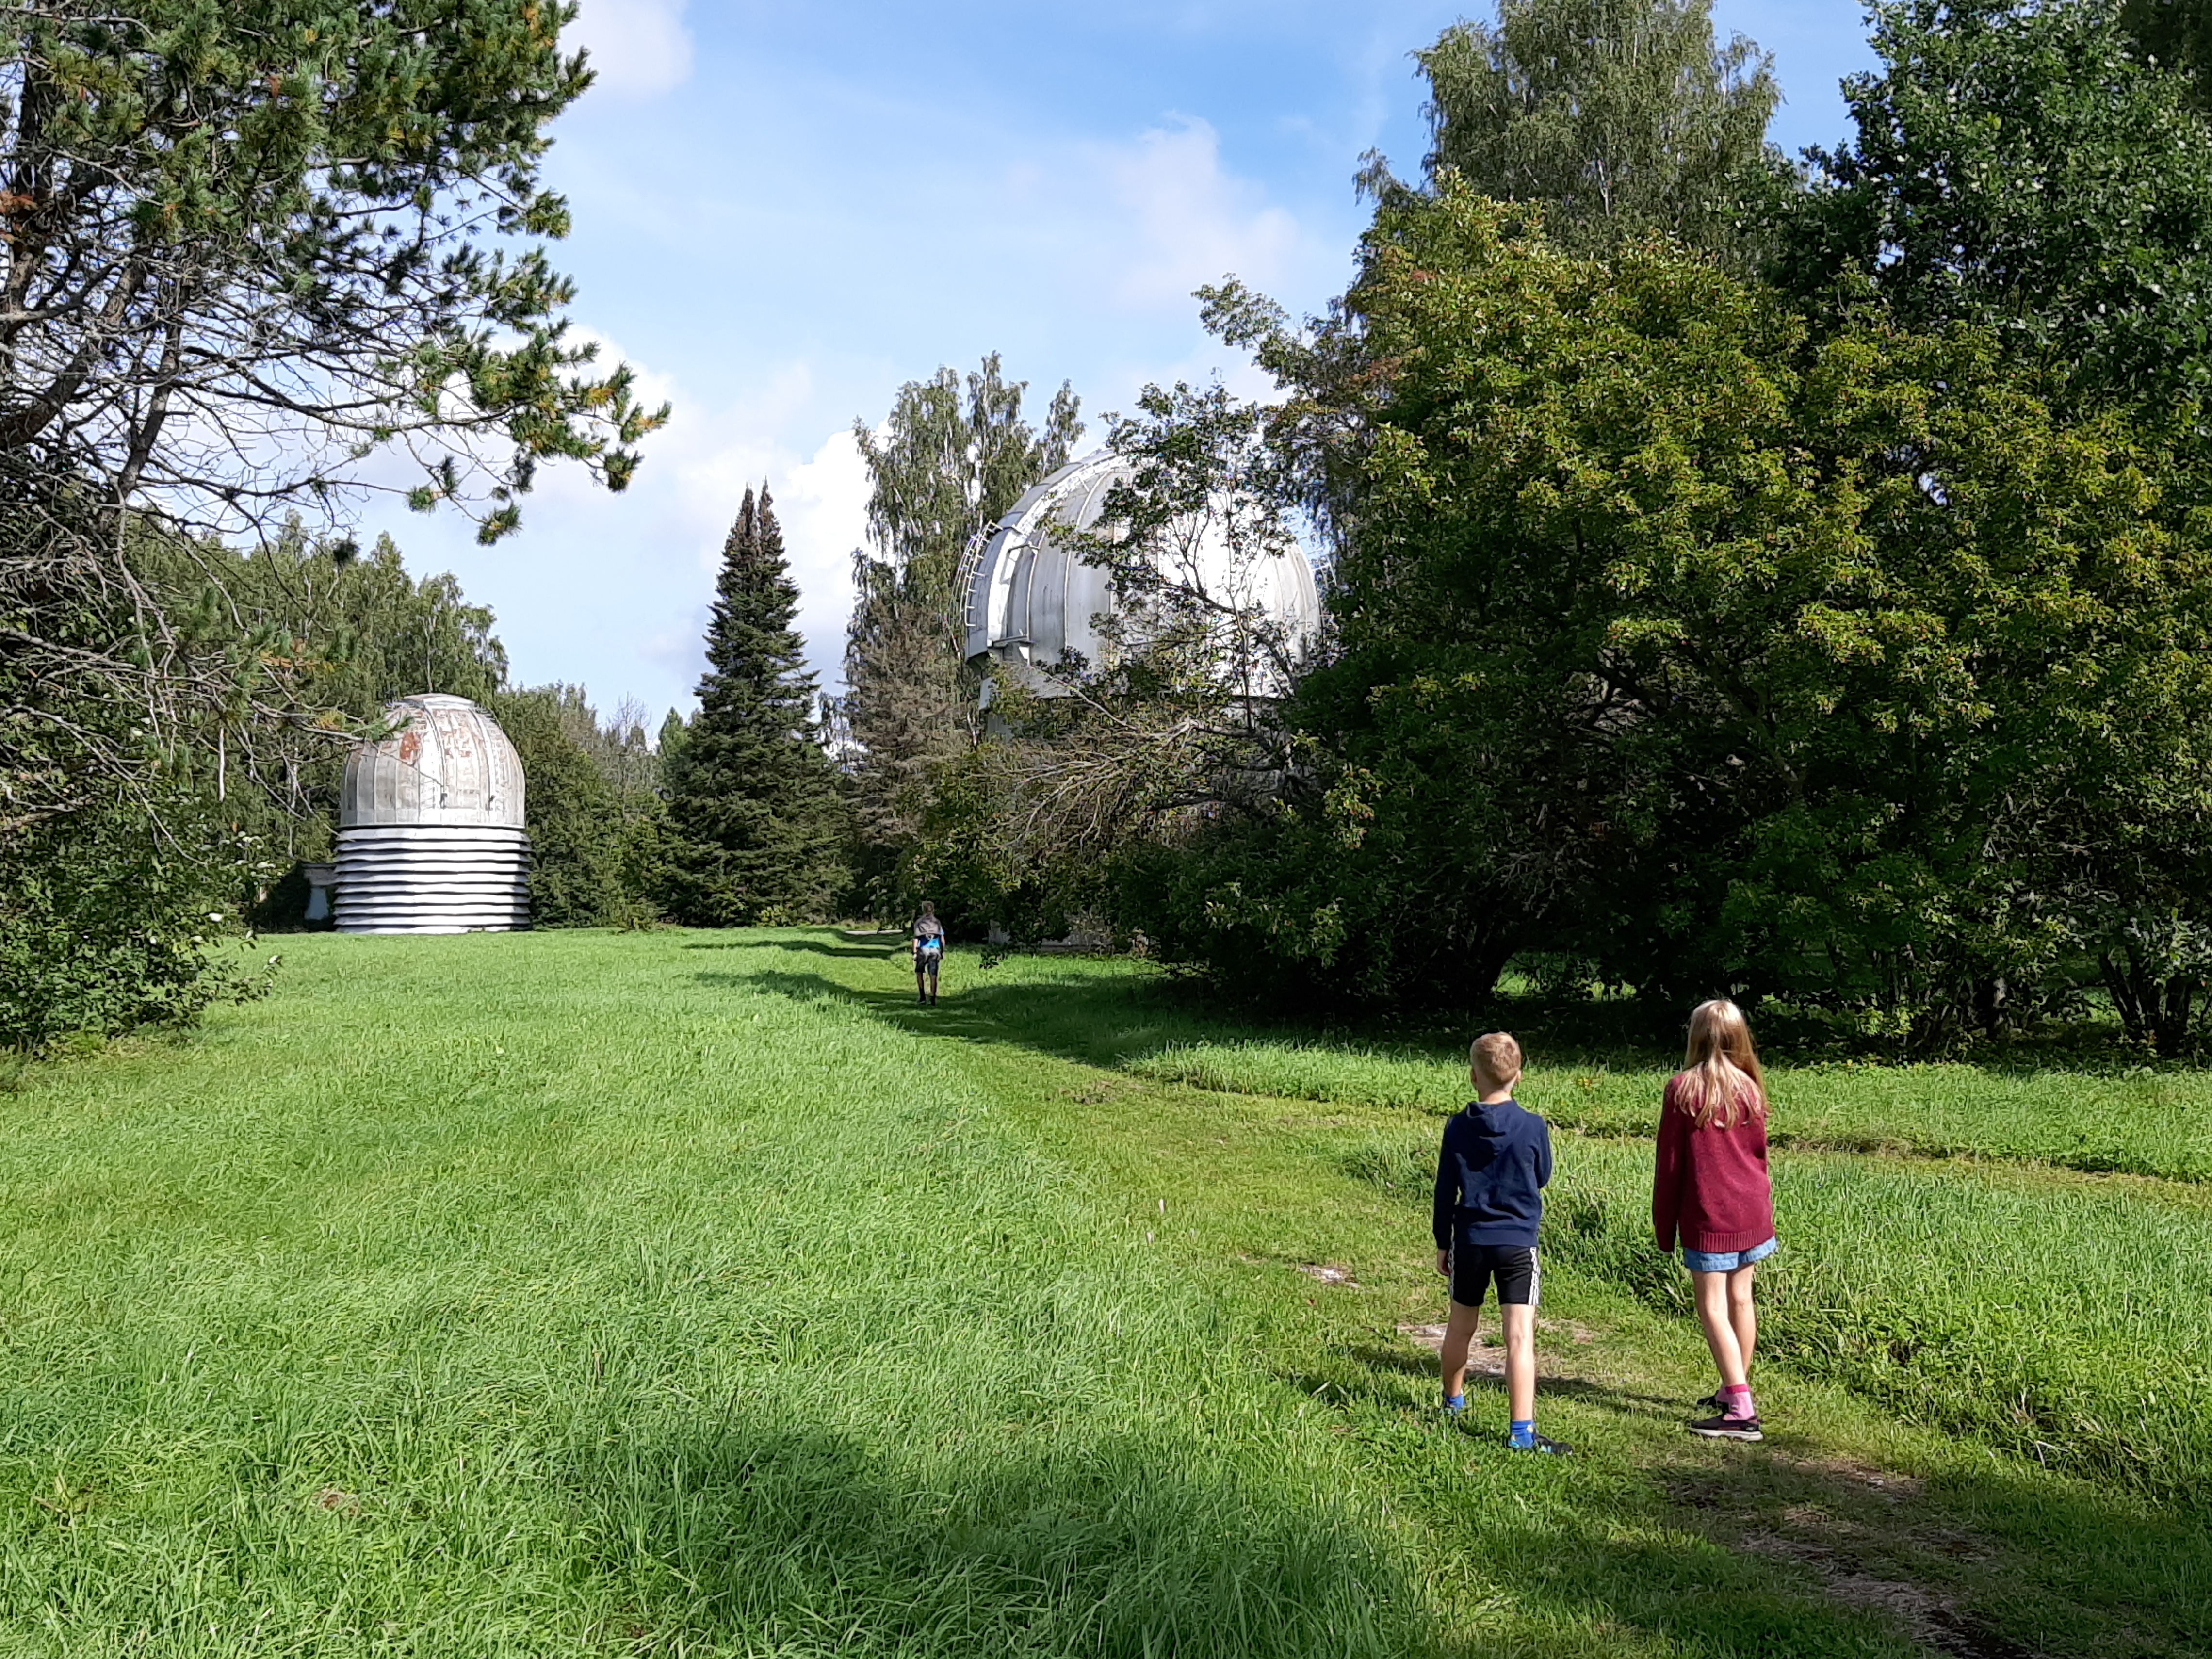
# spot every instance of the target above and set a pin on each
(1513, 1265)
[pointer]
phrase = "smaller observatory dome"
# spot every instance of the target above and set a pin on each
(447, 763)
(430, 835)
(1031, 600)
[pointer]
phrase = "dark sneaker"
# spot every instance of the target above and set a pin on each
(1711, 1403)
(1724, 1427)
(1455, 1405)
(1539, 1443)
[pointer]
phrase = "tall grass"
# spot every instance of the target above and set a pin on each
(2064, 1320)
(2143, 1122)
(519, 1295)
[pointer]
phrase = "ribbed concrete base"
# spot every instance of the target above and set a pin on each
(427, 879)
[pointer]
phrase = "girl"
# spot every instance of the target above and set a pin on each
(1711, 1189)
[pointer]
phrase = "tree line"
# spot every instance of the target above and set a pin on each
(1782, 577)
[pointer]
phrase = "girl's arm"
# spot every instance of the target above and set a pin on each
(1667, 1170)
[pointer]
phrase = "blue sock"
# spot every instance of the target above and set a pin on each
(1523, 1435)
(1455, 1402)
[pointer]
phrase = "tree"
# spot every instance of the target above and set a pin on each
(1840, 663)
(754, 797)
(249, 245)
(951, 462)
(246, 250)
(2021, 168)
(2176, 35)
(574, 816)
(1621, 118)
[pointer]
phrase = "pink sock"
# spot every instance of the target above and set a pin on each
(1736, 1401)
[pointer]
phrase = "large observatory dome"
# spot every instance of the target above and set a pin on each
(1031, 598)
(430, 835)
(448, 763)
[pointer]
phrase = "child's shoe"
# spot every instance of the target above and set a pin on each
(1725, 1427)
(1522, 1437)
(1455, 1404)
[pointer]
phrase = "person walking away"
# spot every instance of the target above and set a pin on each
(928, 954)
(1491, 1173)
(1710, 1190)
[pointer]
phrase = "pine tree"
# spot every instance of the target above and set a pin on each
(754, 800)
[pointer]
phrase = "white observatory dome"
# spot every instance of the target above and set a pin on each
(1031, 600)
(430, 835)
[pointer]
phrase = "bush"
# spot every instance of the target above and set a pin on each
(106, 925)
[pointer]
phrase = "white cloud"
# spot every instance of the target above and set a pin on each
(1186, 220)
(638, 47)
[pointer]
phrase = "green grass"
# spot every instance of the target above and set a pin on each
(2062, 1320)
(690, 1294)
(2139, 1121)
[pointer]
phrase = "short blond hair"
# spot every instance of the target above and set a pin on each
(1495, 1058)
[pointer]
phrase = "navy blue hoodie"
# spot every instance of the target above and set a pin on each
(1491, 1175)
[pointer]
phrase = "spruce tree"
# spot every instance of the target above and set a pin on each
(754, 800)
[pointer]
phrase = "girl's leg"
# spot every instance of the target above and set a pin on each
(1459, 1337)
(1712, 1295)
(1742, 1316)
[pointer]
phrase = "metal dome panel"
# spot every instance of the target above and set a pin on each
(1032, 601)
(448, 763)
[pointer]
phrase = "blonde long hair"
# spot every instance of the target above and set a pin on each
(1721, 1078)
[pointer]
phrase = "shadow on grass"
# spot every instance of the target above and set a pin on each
(1981, 1563)
(810, 946)
(1120, 1545)
(1084, 1018)
(754, 1539)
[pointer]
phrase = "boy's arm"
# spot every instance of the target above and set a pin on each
(1543, 1153)
(1447, 1192)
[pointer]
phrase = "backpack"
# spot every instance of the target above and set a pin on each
(930, 945)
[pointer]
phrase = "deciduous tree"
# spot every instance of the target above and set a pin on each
(952, 459)
(1621, 118)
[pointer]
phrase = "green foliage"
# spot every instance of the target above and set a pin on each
(754, 804)
(576, 827)
(1841, 668)
(314, 194)
(2177, 35)
(1620, 117)
(2021, 168)
(597, 823)
(106, 923)
(951, 460)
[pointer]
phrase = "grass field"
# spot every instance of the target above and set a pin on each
(690, 1294)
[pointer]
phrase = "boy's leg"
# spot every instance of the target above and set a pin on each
(1521, 1360)
(1459, 1339)
(1743, 1317)
(1711, 1291)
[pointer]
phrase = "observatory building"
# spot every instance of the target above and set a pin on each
(430, 835)
(1031, 598)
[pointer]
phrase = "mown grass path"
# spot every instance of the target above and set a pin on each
(696, 1294)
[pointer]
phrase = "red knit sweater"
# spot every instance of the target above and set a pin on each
(1710, 1185)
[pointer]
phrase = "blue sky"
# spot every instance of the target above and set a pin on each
(783, 210)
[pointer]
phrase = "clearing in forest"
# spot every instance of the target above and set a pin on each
(694, 1293)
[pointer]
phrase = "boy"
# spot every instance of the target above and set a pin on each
(1491, 1173)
